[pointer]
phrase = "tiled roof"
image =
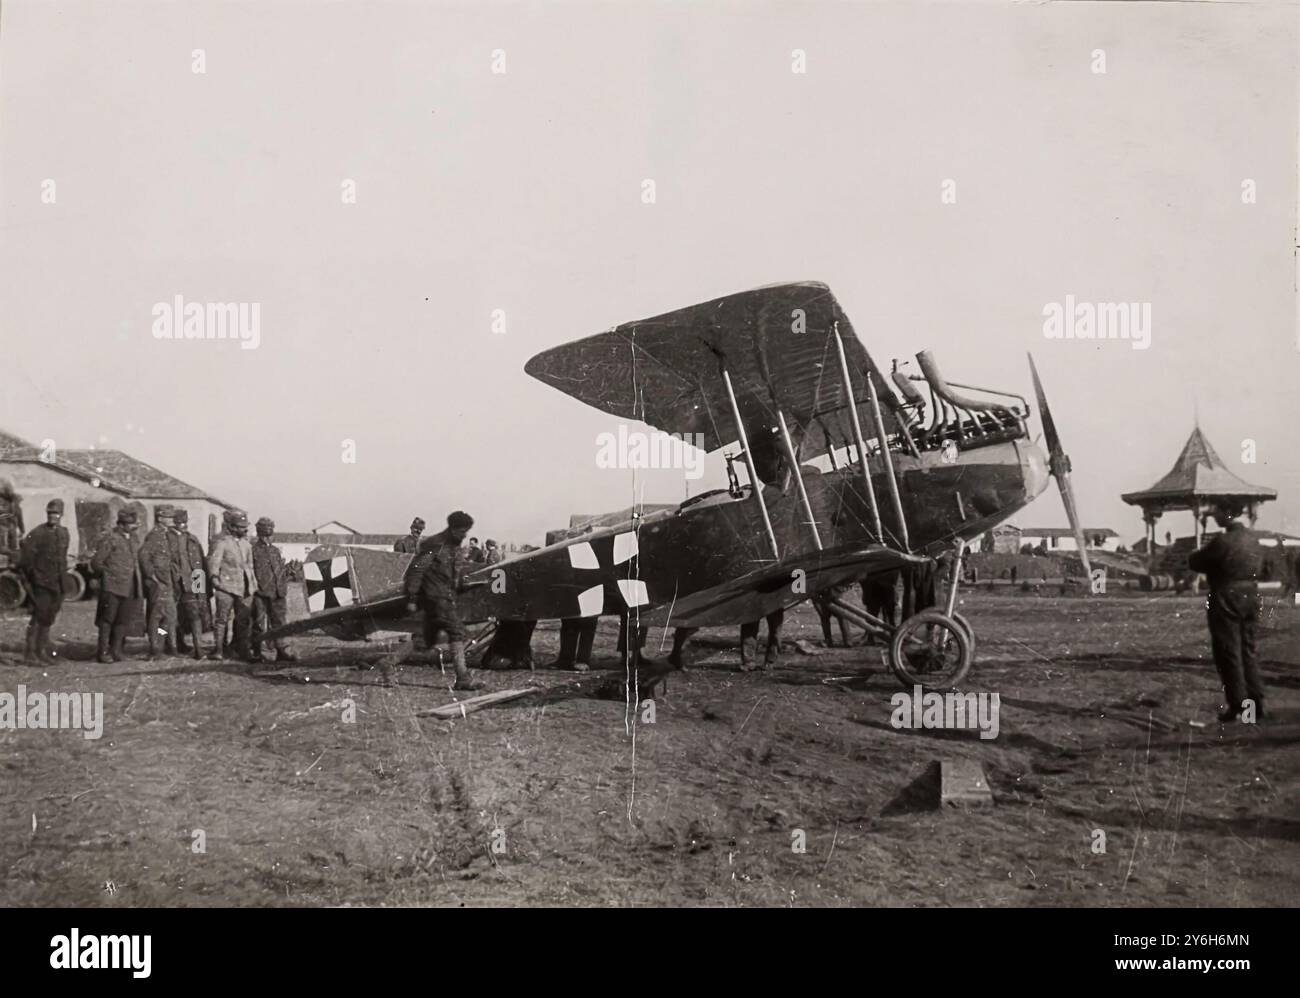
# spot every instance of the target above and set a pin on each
(140, 479)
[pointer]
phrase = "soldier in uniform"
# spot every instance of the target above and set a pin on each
(475, 553)
(432, 584)
(1232, 563)
(42, 560)
(411, 542)
(191, 588)
(269, 605)
(492, 553)
(160, 566)
(121, 587)
(230, 569)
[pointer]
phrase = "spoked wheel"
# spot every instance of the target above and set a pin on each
(931, 650)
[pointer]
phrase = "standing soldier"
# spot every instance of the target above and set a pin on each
(492, 554)
(1231, 561)
(410, 544)
(272, 592)
(42, 560)
(192, 588)
(121, 587)
(475, 553)
(230, 568)
(432, 583)
(160, 566)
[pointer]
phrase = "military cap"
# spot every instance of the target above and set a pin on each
(417, 524)
(54, 506)
(460, 520)
(265, 525)
(163, 511)
(127, 518)
(235, 518)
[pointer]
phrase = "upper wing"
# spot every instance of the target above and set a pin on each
(777, 343)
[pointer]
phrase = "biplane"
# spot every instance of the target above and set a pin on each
(849, 472)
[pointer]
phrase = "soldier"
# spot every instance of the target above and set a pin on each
(410, 544)
(160, 566)
(121, 587)
(492, 554)
(475, 553)
(230, 569)
(272, 592)
(1231, 561)
(432, 583)
(191, 589)
(42, 561)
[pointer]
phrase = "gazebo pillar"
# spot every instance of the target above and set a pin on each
(1199, 524)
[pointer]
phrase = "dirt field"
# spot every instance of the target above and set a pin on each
(550, 799)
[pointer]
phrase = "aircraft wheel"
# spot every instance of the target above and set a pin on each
(74, 585)
(12, 591)
(931, 650)
(970, 631)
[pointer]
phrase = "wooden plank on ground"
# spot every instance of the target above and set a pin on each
(962, 781)
(463, 707)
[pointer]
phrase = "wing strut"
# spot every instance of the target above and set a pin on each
(754, 482)
(798, 477)
(857, 434)
(888, 459)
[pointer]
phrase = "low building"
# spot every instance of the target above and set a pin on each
(1062, 538)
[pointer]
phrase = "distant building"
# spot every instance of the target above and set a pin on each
(294, 546)
(1007, 538)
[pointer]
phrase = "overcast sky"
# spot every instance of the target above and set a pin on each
(522, 191)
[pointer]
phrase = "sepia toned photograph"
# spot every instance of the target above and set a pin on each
(650, 454)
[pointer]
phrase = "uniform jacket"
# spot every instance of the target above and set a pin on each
(1232, 556)
(407, 545)
(436, 571)
(117, 561)
(44, 556)
(268, 566)
(230, 565)
(160, 559)
(189, 559)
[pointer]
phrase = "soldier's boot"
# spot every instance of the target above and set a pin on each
(119, 643)
(586, 638)
(153, 645)
(170, 644)
(43, 650)
(219, 649)
(29, 648)
(748, 650)
(568, 645)
(773, 654)
(196, 639)
(254, 654)
(103, 653)
(463, 680)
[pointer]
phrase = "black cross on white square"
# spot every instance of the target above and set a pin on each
(615, 559)
(328, 584)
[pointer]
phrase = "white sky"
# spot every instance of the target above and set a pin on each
(522, 192)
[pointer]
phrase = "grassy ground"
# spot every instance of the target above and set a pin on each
(298, 806)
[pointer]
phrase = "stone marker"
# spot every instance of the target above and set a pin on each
(962, 781)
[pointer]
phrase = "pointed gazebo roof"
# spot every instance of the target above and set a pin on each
(1198, 478)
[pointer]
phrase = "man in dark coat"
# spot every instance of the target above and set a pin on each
(410, 544)
(432, 584)
(270, 602)
(43, 560)
(121, 587)
(192, 588)
(160, 566)
(1232, 563)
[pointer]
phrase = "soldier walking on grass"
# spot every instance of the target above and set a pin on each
(42, 560)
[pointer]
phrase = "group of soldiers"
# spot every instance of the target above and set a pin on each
(164, 583)
(489, 554)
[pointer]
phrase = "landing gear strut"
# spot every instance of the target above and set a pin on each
(934, 649)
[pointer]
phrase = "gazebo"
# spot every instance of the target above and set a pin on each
(1198, 482)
